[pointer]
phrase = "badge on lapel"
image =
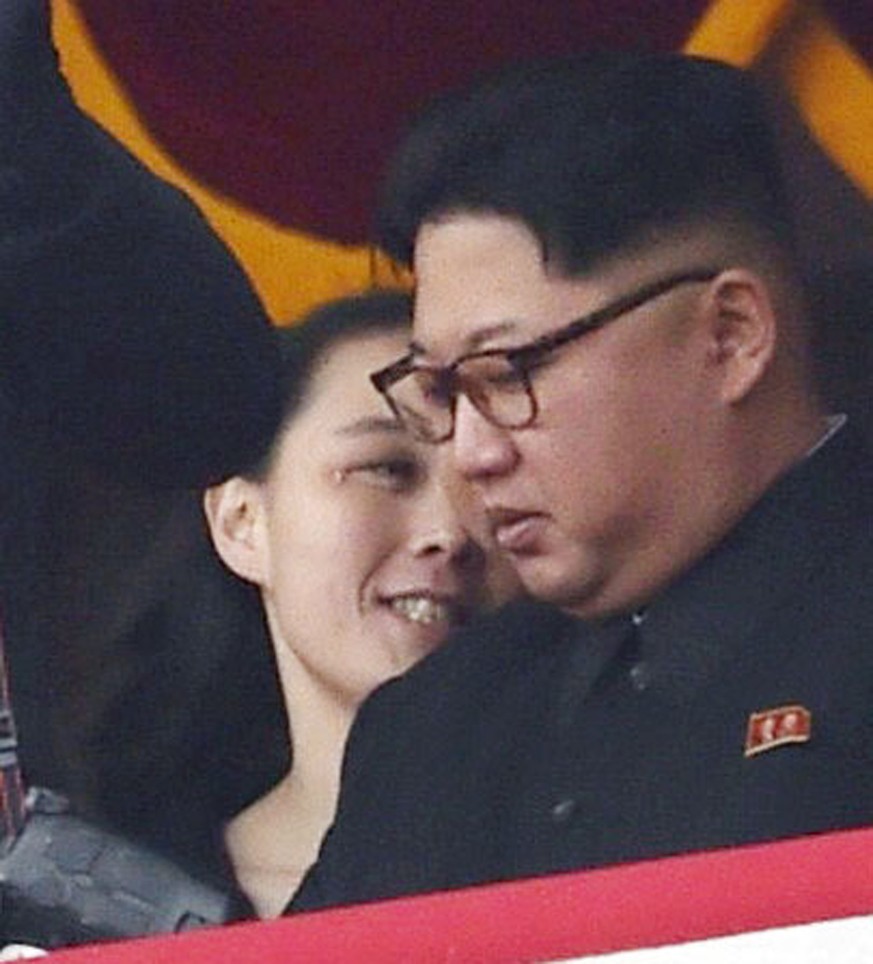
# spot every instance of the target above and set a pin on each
(768, 729)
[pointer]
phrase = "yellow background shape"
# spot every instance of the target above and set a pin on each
(293, 271)
(828, 81)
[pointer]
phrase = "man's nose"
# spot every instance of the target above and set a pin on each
(480, 449)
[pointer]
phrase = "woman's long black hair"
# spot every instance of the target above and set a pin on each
(198, 729)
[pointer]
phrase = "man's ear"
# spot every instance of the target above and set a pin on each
(743, 330)
(234, 512)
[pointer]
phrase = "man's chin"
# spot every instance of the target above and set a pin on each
(551, 580)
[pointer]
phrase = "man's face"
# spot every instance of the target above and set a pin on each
(598, 502)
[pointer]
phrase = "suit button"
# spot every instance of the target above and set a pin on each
(640, 676)
(563, 810)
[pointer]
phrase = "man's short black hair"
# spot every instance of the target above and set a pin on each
(592, 153)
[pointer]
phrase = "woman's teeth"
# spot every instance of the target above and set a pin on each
(420, 609)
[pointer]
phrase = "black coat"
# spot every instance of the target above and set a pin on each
(536, 743)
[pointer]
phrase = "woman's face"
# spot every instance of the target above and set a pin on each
(365, 558)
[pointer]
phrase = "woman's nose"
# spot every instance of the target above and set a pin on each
(443, 524)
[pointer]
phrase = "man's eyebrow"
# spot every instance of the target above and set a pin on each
(477, 338)
(371, 425)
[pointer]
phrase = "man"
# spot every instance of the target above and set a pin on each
(611, 343)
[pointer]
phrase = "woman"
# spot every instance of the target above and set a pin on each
(364, 561)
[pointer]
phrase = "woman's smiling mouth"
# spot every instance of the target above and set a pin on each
(425, 609)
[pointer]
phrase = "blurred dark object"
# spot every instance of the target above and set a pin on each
(128, 333)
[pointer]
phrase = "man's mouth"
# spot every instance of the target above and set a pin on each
(514, 530)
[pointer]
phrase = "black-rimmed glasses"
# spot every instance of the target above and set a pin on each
(497, 381)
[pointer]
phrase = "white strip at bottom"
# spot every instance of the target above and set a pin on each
(846, 941)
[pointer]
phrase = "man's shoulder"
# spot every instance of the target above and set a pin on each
(517, 636)
(816, 512)
(480, 664)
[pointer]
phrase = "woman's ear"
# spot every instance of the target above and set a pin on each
(743, 331)
(234, 513)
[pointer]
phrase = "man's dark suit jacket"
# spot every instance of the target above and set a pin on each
(536, 744)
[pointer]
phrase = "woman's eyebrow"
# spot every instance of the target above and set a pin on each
(370, 425)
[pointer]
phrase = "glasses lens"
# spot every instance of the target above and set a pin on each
(423, 402)
(498, 389)
(424, 398)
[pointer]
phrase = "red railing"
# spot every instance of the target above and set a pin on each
(690, 897)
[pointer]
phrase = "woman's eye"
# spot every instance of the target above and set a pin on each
(393, 473)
